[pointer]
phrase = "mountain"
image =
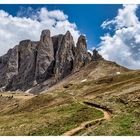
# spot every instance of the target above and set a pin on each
(80, 94)
(50, 59)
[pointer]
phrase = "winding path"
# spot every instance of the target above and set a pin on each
(87, 124)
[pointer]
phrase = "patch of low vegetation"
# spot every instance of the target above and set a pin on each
(71, 116)
(43, 120)
(121, 125)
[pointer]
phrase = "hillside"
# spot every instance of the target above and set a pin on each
(102, 98)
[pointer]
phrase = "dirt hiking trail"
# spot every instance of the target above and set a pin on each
(87, 124)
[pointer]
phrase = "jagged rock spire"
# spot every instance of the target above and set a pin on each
(82, 57)
(96, 55)
(45, 56)
(44, 35)
(65, 56)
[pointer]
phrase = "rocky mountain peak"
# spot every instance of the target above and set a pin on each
(68, 34)
(96, 55)
(68, 38)
(81, 43)
(44, 56)
(82, 57)
(65, 56)
(45, 34)
(46, 61)
(24, 42)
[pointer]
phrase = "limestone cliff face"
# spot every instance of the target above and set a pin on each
(45, 57)
(26, 66)
(49, 60)
(65, 57)
(82, 57)
(8, 66)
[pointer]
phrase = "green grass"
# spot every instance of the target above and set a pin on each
(122, 125)
(70, 117)
(47, 121)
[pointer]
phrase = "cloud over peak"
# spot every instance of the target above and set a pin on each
(124, 45)
(29, 23)
(126, 17)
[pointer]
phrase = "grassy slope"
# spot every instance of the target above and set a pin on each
(122, 96)
(56, 112)
(53, 120)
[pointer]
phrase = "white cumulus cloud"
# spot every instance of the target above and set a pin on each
(123, 46)
(29, 23)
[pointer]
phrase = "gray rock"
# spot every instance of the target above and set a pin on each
(64, 56)
(45, 57)
(26, 66)
(82, 57)
(96, 55)
(39, 65)
(8, 66)
(57, 40)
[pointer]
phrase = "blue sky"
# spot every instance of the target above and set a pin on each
(88, 18)
(115, 29)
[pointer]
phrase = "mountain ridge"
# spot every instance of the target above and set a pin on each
(51, 59)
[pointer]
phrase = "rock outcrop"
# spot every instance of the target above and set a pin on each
(44, 57)
(47, 61)
(96, 55)
(26, 66)
(8, 66)
(82, 57)
(65, 57)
